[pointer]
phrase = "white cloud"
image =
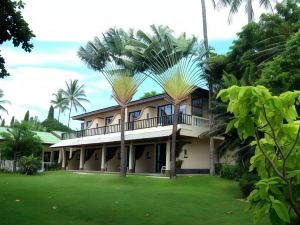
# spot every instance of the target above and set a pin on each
(32, 88)
(81, 20)
(14, 57)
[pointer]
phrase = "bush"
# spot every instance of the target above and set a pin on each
(30, 165)
(247, 183)
(218, 167)
(230, 171)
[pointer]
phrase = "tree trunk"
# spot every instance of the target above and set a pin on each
(58, 114)
(250, 11)
(205, 39)
(123, 150)
(211, 140)
(204, 26)
(173, 142)
(71, 104)
(15, 162)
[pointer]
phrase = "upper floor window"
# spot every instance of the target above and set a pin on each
(108, 120)
(197, 106)
(133, 115)
(165, 110)
(88, 123)
(182, 109)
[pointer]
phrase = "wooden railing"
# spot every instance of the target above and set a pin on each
(138, 124)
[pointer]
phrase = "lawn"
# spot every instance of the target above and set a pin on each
(65, 198)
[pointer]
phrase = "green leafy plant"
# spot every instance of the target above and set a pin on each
(247, 183)
(230, 171)
(273, 122)
(30, 164)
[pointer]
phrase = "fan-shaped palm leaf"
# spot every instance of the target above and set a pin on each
(179, 76)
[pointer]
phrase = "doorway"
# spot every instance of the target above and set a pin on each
(160, 157)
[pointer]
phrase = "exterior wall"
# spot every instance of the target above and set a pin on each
(73, 164)
(113, 165)
(100, 118)
(93, 164)
(146, 164)
(197, 156)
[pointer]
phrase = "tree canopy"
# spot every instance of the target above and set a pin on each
(13, 28)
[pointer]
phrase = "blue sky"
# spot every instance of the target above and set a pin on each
(62, 28)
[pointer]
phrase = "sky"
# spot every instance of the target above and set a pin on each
(62, 26)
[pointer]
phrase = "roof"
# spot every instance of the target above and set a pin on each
(154, 132)
(46, 137)
(135, 102)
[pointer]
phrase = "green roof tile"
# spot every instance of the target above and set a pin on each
(46, 137)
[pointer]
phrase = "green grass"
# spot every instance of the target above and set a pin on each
(109, 200)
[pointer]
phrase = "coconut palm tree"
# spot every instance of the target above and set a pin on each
(236, 4)
(74, 94)
(60, 102)
(178, 80)
(3, 102)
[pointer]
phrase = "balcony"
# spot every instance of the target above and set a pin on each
(139, 124)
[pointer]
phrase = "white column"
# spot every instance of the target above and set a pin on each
(126, 115)
(60, 156)
(63, 164)
(103, 158)
(81, 163)
(51, 155)
(168, 154)
(70, 153)
(131, 158)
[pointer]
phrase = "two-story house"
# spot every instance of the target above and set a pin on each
(148, 130)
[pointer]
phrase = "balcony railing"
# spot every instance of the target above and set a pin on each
(138, 124)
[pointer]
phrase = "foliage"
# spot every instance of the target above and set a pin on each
(3, 123)
(260, 42)
(26, 116)
(60, 103)
(12, 121)
(1, 96)
(272, 121)
(50, 113)
(74, 94)
(34, 124)
(55, 125)
(30, 164)
(19, 141)
(283, 72)
(236, 4)
(13, 28)
(231, 172)
(247, 183)
(149, 94)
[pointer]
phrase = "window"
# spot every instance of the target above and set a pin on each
(182, 109)
(88, 123)
(108, 120)
(133, 115)
(82, 126)
(164, 114)
(197, 106)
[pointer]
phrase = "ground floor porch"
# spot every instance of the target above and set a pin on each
(149, 157)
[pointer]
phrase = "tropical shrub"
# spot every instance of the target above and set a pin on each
(231, 172)
(273, 123)
(247, 183)
(30, 165)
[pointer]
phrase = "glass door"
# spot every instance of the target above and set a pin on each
(160, 157)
